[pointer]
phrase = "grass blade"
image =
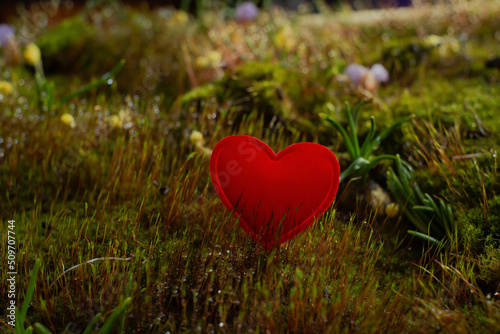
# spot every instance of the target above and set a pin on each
(118, 312)
(424, 237)
(91, 324)
(102, 80)
(42, 329)
(29, 292)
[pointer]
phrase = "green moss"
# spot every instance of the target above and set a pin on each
(489, 265)
(70, 36)
(471, 228)
(199, 93)
(480, 226)
(494, 216)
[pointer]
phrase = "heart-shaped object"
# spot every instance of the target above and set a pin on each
(275, 196)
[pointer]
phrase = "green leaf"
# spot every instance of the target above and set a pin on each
(425, 237)
(376, 142)
(353, 131)
(430, 201)
(405, 174)
(42, 329)
(19, 324)
(92, 323)
(355, 113)
(368, 139)
(379, 158)
(117, 313)
(419, 193)
(29, 292)
(424, 208)
(344, 134)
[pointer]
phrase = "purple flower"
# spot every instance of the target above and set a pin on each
(380, 73)
(356, 72)
(246, 12)
(6, 33)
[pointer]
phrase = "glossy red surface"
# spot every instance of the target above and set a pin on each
(275, 196)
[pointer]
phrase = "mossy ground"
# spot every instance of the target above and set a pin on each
(126, 182)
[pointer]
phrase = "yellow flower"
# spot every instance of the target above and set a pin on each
(69, 120)
(432, 40)
(211, 60)
(115, 122)
(392, 210)
(202, 62)
(214, 56)
(5, 87)
(196, 138)
(124, 116)
(286, 38)
(179, 18)
(206, 151)
(32, 54)
(449, 49)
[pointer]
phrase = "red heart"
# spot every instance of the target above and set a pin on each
(275, 196)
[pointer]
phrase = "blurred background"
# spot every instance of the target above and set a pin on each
(8, 9)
